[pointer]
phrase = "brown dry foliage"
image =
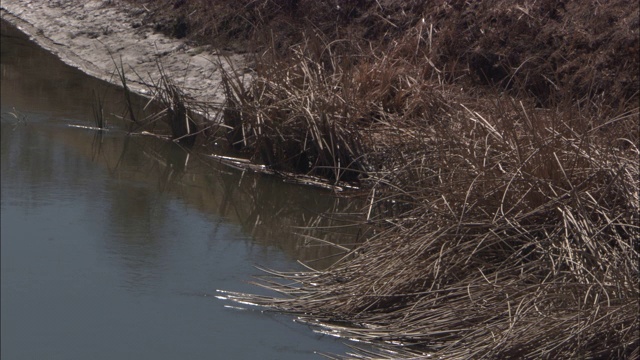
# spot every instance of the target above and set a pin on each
(501, 234)
(549, 49)
(499, 141)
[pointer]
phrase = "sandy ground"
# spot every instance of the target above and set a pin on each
(90, 34)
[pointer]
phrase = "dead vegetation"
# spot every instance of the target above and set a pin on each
(509, 236)
(166, 104)
(498, 143)
(547, 49)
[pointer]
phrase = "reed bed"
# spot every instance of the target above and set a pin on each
(320, 113)
(497, 153)
(504, 232)
(175, 108)
(167, 103)
(292, 118)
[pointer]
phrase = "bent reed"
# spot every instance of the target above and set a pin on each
(502, 184)
(503, 230)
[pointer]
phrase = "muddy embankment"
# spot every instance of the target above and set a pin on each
(98, 36)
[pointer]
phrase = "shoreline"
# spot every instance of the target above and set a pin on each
(114, 32)
(58, 28)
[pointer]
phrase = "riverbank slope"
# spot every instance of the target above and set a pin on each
(97, 36)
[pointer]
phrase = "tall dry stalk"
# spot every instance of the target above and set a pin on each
(175, 108)
(294, 118)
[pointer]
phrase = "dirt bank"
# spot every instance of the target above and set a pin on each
(89, 35)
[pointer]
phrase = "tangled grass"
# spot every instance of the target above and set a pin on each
(510, 235)
(498, 153)
(323, 114)
(503, 229)
(295, 117)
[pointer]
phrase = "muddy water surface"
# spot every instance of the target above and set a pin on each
(113, 245)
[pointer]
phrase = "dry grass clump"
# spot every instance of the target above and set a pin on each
(323, 114)
(516, 237)
(499, 144)
(168, 104)
(175, 109)
(292, 120)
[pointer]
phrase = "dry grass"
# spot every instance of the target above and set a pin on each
(511, 235)
(320, 113)
(499, 156)
(175, 109)
(295, 117)
(167, 103)
(504, 230)
(543, 49)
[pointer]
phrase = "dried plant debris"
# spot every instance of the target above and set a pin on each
(495, 144)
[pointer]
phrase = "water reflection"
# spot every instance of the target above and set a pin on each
(35, 79)
(112, 243)
(264, 206)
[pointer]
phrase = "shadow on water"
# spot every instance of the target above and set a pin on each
(114, 243)
(271, 211)
(265, 207)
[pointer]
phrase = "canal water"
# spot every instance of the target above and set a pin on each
(113, 245)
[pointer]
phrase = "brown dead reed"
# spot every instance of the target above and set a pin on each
(508, 231)
(295, 117)
(498, 145)
(167, 103)
(175, 109)
(319, 113)
(502, 229)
